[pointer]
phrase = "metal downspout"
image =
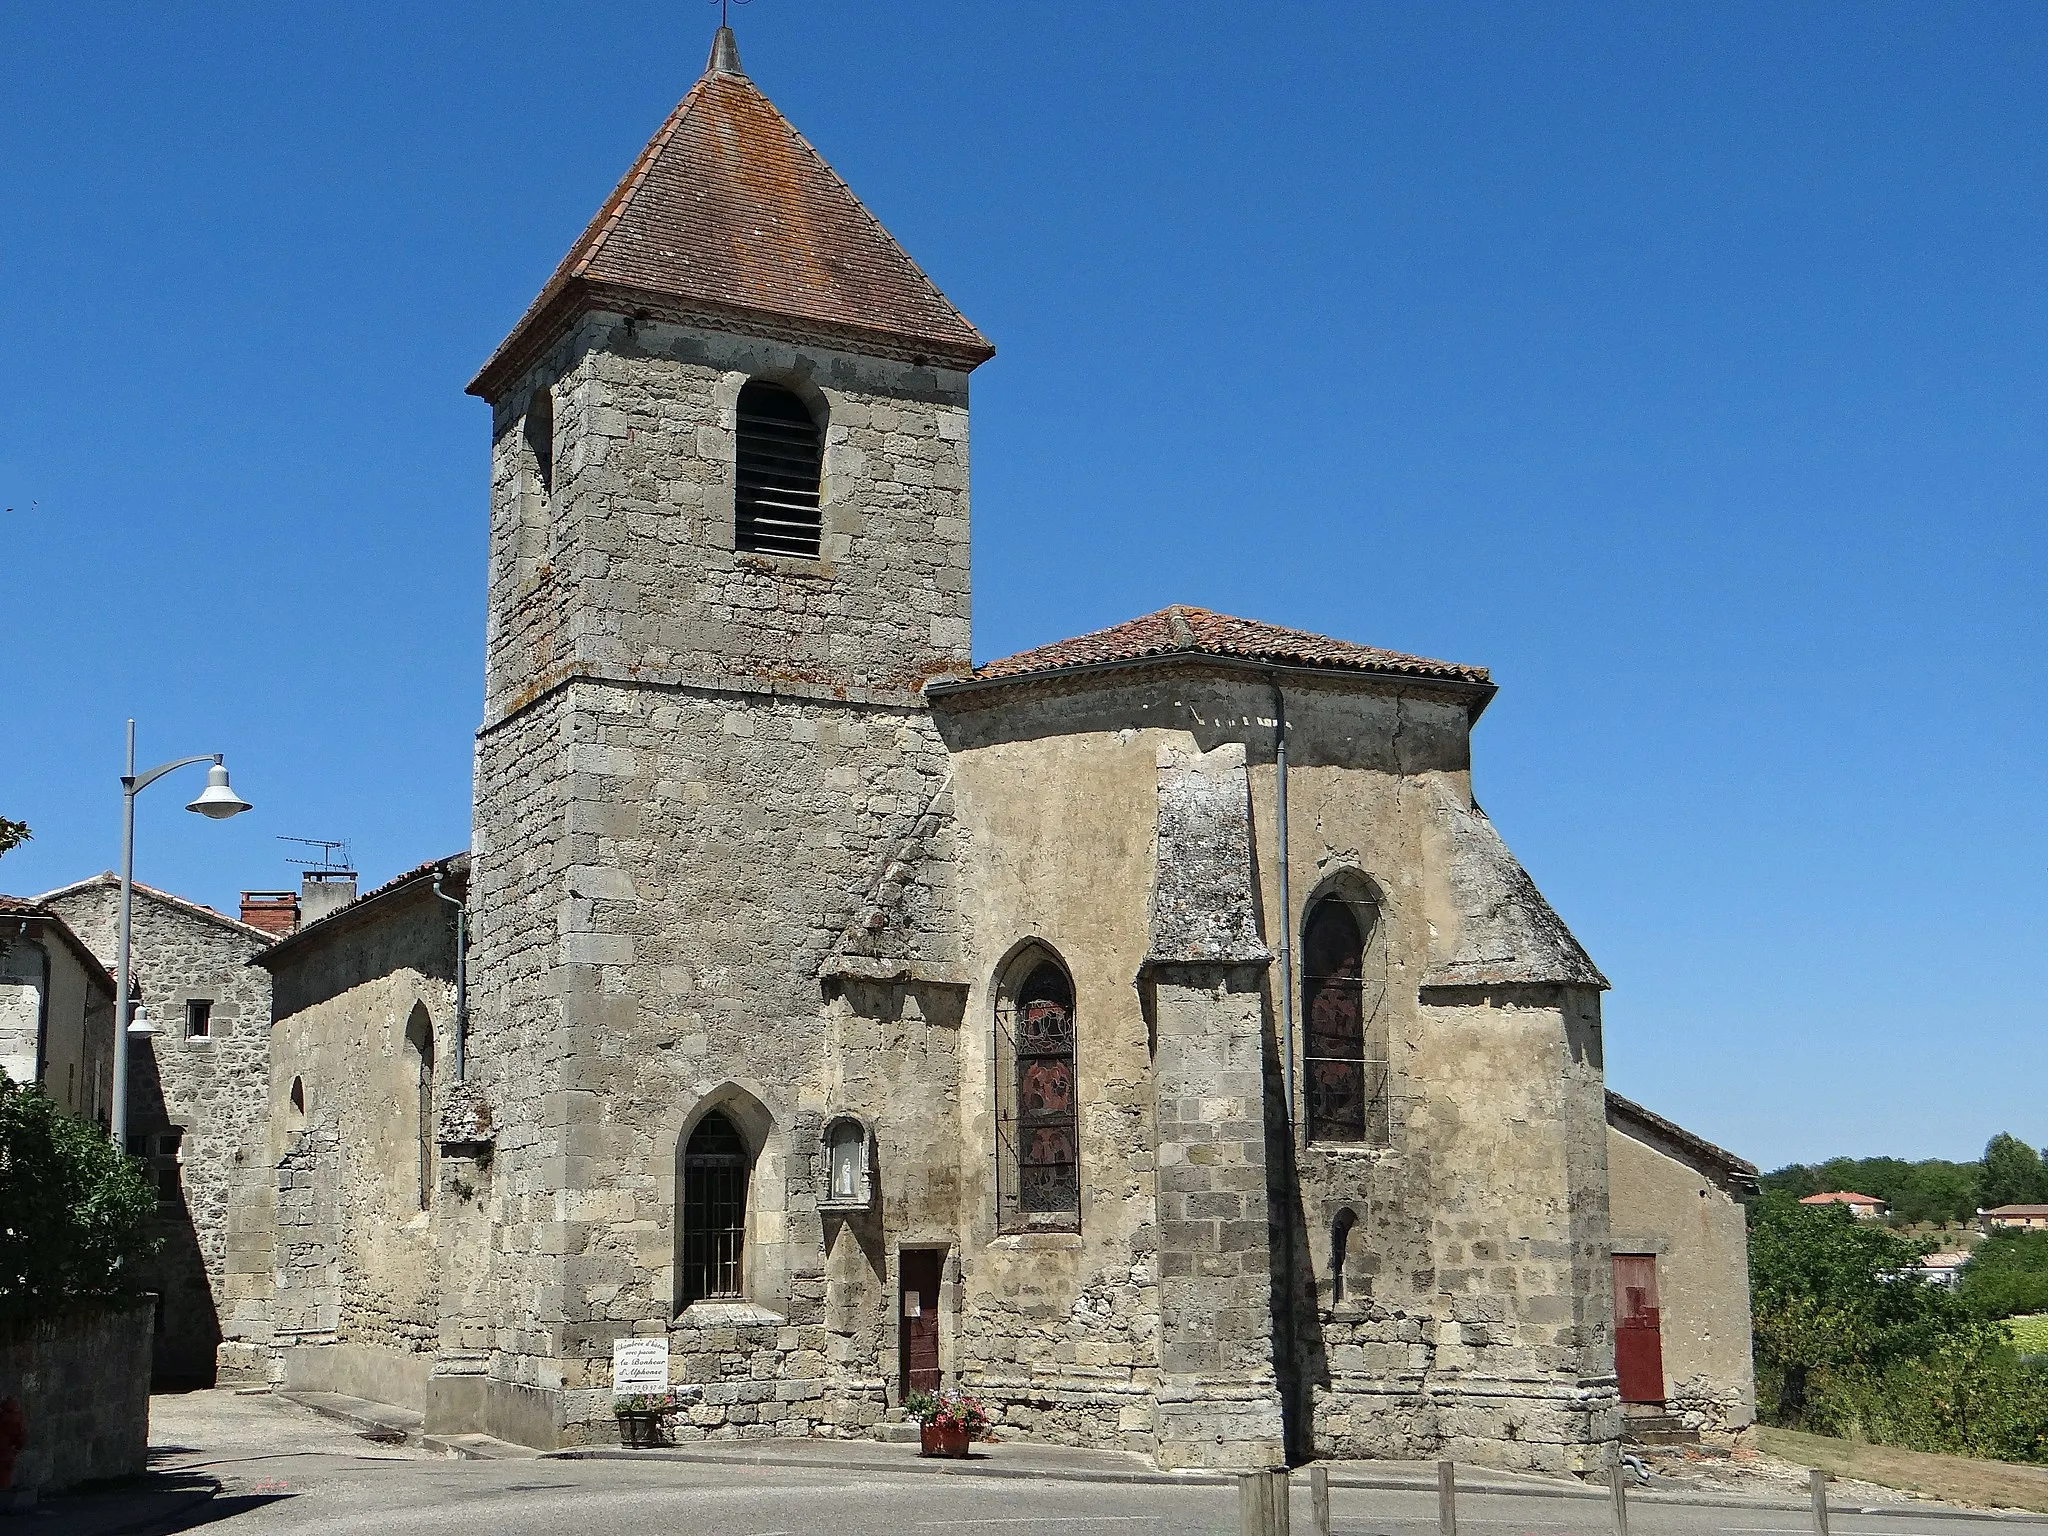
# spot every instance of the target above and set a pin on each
(1286, 905)
(461, 979)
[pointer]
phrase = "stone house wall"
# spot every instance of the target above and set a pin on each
(1664, 1204)
(56, 1020)
(211, 1091)
(358, 1184)
(83, 1386)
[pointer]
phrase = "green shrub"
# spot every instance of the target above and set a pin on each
(1848, 1344)
(74, 1212)
(2007, 1275)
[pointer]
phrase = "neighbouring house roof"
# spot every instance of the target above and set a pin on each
(1185, 630)
(1500, 929)
(1943, 1261)
(1631, 1119)
(1840, 1197)
(731, 214)
(26, 909)
(455, 867)
(2018, 1210)
(108, 880)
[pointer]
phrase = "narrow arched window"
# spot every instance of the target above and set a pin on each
(1038, 1125)
(715, 1169)
(295, 1114)
(1333, 1005)
(1340, 1242)
(540, 438)
(778, 461)
(419, 1060)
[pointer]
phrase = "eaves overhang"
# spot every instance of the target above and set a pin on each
(1476, 695)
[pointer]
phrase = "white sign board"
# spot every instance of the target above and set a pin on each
(639, 1365)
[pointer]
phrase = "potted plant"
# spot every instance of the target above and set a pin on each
(947, 1422)
(643, 1417)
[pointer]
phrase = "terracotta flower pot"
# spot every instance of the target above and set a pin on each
(943, 1439)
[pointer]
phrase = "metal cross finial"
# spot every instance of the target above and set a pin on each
(724, 10)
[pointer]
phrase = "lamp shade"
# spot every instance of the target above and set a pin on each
(217, 800)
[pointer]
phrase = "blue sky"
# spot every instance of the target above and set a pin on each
(1683, 364)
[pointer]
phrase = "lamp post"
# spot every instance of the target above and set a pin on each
(216, 801)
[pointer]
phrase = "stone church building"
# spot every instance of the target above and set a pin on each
(1148, 1033)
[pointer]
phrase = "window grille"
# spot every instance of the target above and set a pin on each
(1345, 1049)
(846, 1164)
(778, 462)
(715, 1168)
(1038, 1180)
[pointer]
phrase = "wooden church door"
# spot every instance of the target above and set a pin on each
(1638, 1333)
(917, 1338)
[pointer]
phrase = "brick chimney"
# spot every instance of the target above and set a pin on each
(273, 911)
(323, 891)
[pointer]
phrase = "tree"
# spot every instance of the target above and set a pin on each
(1832, 1307)
(12, 834)
(74, 1212)
(2013, 1174)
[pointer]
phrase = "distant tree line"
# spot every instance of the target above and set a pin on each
(2009, 1173)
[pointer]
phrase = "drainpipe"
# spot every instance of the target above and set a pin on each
(1286, 906)
(461, 978)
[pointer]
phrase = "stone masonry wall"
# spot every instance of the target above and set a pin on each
(638, 576)
(83, 1386)
(214, 1088)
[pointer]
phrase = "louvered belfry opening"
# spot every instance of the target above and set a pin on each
(715, 1169)
(779, 457)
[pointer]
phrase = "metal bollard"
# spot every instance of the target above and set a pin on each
(1319, 1497)
(1617, 1482)
(1262, 1502)
(1817, 1480)
(1447, 1498)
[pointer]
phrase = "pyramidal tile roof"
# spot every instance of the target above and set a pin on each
(1198, 631)
(729, 215)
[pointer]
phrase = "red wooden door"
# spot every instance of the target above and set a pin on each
(917, 1338)
(1638, 1335)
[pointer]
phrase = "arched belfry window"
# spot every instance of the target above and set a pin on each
(1342, 993)
(1037, 1124)
(778, 461)
(715, 1169)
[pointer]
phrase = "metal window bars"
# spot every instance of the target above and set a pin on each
(715, 1169)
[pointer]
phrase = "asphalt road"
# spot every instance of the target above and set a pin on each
(284, 1470)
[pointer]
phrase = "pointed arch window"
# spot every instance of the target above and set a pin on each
(716, 1167)
(778, 467)
(1038, 1121)
(1345, 1055)
(419, 1058)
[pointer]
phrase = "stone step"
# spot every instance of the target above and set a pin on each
(1658, 1429)
(896, 1432)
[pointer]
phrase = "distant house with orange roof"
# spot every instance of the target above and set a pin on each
(1862, 1207)
(2016, 1216)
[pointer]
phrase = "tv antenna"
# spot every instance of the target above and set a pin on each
(334, 860)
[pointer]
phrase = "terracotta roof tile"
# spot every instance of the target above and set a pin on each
(1840, 1197)
(729, 210)
(1198, 631)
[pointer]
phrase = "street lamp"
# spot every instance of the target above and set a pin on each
(216, 801)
